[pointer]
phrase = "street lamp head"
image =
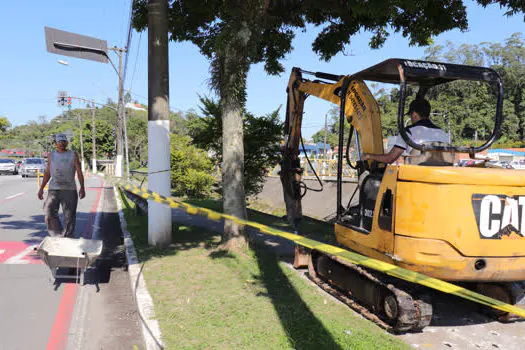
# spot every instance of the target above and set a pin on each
(62, 62)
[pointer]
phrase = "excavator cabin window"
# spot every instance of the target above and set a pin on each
(385, 211)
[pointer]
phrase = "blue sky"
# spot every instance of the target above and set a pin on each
(31, 77)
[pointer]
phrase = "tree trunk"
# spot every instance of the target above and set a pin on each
(232, 97)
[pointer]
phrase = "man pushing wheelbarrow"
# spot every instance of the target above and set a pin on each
(61, 250)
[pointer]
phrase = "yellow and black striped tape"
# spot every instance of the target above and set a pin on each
(349, 256)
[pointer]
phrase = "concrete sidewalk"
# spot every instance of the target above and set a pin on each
(107, 318)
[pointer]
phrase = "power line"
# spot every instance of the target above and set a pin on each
(128, 42)
(136, 60)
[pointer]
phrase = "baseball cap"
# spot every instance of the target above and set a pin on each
(421, 106)
(61, 137)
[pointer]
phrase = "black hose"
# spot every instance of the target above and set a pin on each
(302, 184)
(348, 149)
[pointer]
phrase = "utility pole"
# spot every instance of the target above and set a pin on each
(81, 141)
(448, 127)
(126, 140)
(120, 118)
(93, 138)
(325, 132)
(159, 215)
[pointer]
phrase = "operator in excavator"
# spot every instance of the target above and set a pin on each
(422, 130)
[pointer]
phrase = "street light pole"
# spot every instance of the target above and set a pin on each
(93, 138)
(120, 117)
(120, 106)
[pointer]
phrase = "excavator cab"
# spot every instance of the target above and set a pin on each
(459, 224)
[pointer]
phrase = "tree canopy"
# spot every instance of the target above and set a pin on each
(4, 124)
(466, 109)
(261, 141)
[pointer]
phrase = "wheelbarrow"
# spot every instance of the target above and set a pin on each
(61, 253)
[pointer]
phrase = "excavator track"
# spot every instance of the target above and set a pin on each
(510, 293)
(377, 299)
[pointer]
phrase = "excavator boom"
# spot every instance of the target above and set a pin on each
(360, 109)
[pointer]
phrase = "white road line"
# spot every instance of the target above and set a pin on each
(2, 251)
(17, 259)
(15, 195)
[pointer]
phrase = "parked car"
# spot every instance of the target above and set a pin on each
(518, 164)
(499, 164)
(32, 166)
(7, 166)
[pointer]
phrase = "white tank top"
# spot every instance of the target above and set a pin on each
(62, 168)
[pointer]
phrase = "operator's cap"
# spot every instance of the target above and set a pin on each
(421, 106)
(61, 137)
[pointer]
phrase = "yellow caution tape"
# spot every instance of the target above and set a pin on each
(352, 257)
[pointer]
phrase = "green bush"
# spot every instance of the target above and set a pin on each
(191, 169)
(262, 136)
(134, 164)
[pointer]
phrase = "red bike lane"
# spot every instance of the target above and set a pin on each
(36, 314)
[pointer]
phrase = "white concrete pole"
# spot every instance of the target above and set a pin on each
(159, 215)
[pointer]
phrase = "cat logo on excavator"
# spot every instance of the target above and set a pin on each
(499, 216)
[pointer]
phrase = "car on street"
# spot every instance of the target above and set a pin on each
(32, 166)
(7, 166)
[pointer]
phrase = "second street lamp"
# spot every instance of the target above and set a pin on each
(85, 47)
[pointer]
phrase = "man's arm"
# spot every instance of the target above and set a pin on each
(388, 158)
(47, 176)
(80, 176)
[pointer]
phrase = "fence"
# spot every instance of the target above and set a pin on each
(323, 168)
(106, 166)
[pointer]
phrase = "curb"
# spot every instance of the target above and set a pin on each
(149, 325)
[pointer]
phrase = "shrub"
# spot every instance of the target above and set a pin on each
(191, 169)
(262, 137)
(134, 164)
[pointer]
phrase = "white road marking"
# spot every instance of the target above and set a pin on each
(2, 251)
(17, 259)
(15, 195)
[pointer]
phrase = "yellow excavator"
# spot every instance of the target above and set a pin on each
(459, 224)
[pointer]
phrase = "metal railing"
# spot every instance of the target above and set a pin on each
(323, 168)
(106, 166)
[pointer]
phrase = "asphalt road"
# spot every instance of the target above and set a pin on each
(36, 312)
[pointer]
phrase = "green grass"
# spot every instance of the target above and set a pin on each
(208, 298)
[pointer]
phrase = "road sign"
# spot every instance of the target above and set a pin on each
(76, 45)
(61, 98)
